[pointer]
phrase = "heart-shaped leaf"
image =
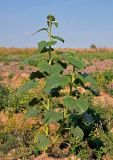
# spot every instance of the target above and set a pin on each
(32, 112)
(88, 83)
(41, 45)
(74, 60)
(56, 81)
(79, 105)
(42, 141)
(52, 116)
(50, 69)
(50, 43)
(77, 132)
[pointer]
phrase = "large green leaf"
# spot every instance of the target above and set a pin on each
(58, 38)
(55, 69)
(82, 105)
(32, 112)
(42, 141)
(88, 83)
(32, 60)
(44, 66)
(85, 78)
(78, 63)
(79, 105)
(42, 45)
(44, 50)
(77, 132)
(69, 102)
(27, 86)
(56, 81)
(50, 43)
(87, 117)
(88, 78)
(81, 78)
(50, 69)
(52, 116)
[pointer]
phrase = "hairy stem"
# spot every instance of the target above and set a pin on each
(48, 104)
(65, 112)
(72, 80)
(47, 130)
(50, 38)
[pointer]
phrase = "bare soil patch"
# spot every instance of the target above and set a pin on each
(18, 75)
(21, 75)
(100, 66)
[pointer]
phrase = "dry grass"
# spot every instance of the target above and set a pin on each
(12, 50)
(86, 50)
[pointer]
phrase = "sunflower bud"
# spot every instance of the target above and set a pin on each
(50, 18)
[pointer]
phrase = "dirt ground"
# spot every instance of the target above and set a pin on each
(20, 75)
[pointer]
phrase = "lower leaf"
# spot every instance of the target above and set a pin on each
(77, 132)
(42, 141)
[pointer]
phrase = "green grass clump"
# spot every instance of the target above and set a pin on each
(11, 75)
(105, 80)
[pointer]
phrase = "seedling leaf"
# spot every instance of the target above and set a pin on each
(56, 24)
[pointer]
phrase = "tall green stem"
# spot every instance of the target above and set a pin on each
(50, 38)
(65, 112)
(72, 80)
(47, 130)
(47, 127)
(48, 104)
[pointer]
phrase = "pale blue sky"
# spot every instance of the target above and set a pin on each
(81, 22)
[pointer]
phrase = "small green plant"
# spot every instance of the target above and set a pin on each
(105, 80)
(21, 67)
(4, 95)
(60, 105)
(11, 75)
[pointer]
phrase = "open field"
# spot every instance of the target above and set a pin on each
(17, 133)
(56, 90)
